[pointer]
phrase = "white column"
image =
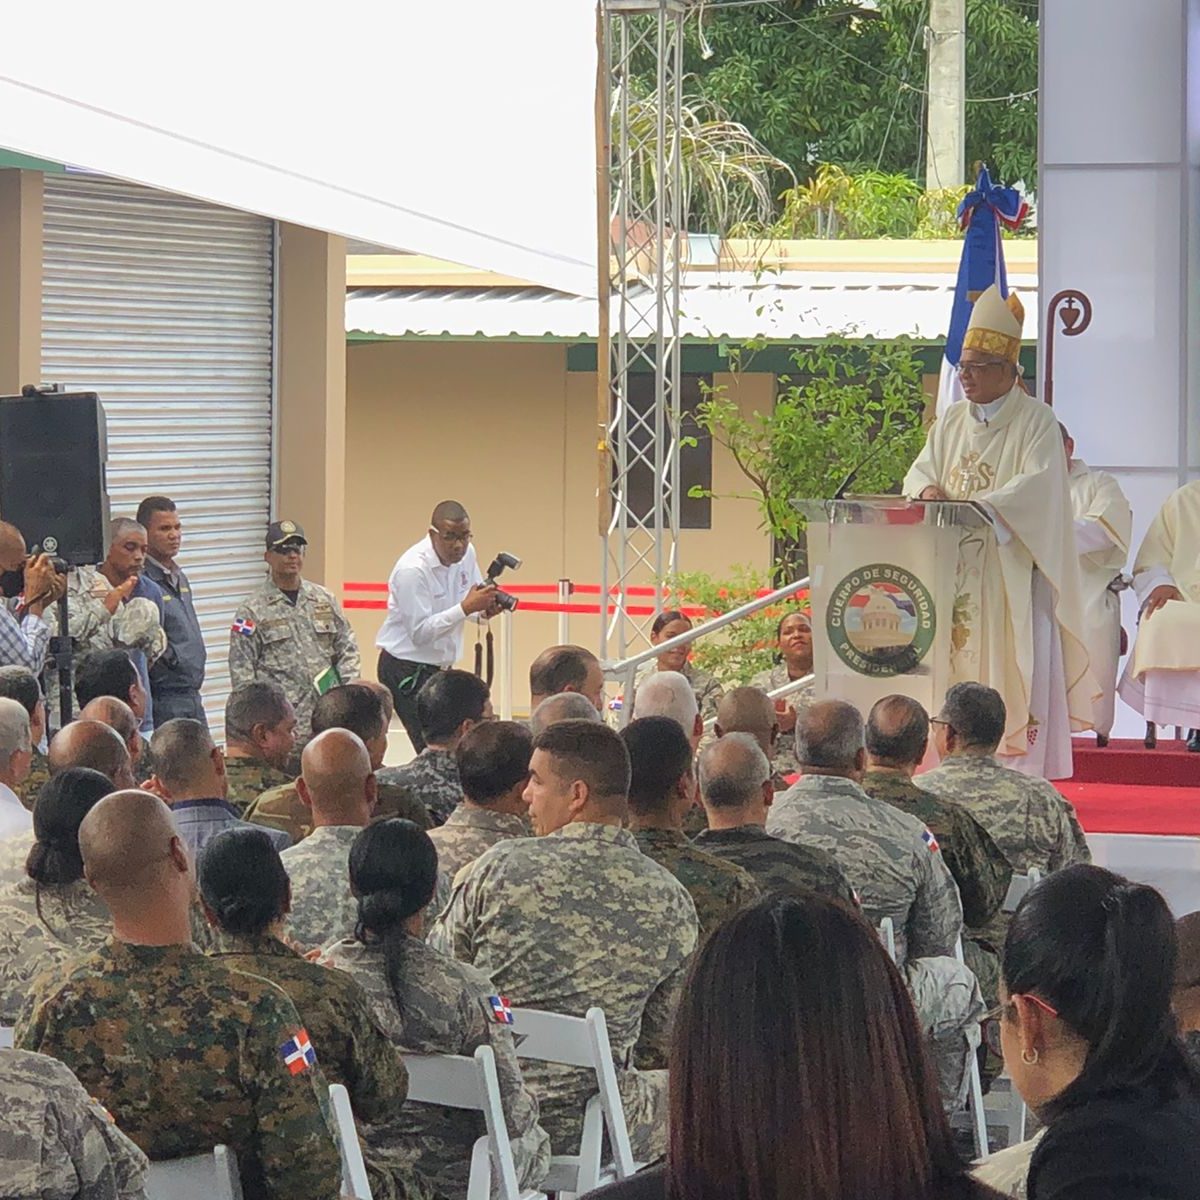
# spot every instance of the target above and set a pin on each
(1117, 219)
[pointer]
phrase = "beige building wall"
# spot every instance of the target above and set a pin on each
(20, 279)
(506, 429)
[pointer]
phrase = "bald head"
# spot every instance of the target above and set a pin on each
(124, 842)
(897, 732)
(829, 739)
(749, 710)
(119, 716)
(336, 779)
(566, 706)
(93, 744)
(735, 774)
(12, 543)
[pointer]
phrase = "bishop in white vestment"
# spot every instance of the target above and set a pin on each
(1002, 449)
(1162, 676)
(1103, 528)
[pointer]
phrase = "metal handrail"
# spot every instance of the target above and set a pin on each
(625, 669)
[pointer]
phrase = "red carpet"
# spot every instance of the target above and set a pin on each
(1126, 788)
(1128, 761)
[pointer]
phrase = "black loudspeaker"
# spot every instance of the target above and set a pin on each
(53, 447)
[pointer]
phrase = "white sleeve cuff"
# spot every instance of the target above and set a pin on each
(1144, 582)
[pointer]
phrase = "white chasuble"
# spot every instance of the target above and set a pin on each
(1162, 676)
(1018, 607)
(1103, 527)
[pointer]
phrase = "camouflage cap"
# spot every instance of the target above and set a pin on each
(279, 532)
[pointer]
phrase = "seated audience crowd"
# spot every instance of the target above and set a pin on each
(201, 940)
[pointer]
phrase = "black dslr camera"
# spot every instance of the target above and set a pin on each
(506, 600)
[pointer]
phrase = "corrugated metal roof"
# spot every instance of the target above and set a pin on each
(807, 307)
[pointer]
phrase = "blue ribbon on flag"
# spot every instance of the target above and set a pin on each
(981, 214)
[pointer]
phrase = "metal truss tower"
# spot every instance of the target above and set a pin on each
(638, 355)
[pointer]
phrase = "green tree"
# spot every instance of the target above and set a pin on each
(831, 81)
(853, 405)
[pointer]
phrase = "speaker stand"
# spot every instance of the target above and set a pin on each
(62, 647)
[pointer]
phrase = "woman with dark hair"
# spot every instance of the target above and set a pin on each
(1090, 1041)
(246, 896)
(668, 625)
(48, 912)
(798, 1070)
(431, 1004)
(794, 653)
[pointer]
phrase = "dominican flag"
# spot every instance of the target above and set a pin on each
(981, 215)
(929, 840)
(298, 1054)
(243, 625)
(501, 1010)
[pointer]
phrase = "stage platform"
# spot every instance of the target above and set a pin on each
(1140, 810)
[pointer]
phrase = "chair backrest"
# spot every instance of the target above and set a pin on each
(455, 1081)
(582, 1042)
(211, 1176)
(6, 1037)
(1019, 888)
(887, 935)
(354, 1170)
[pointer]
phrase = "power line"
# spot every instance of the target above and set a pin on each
(912, 45)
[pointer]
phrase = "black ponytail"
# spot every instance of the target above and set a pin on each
(1101, 951)
(393, 872)
(243, 881)
(62, 803)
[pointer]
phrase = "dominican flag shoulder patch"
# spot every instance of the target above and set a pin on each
(243, 625)
(930, 841)
(501, 1010)
(298, 1054)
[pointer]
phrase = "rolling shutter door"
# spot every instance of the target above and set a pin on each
(164, 306)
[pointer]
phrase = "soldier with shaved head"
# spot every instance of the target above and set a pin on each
(93, 744)
(120, 716)
(435, 586)
(337, 785)
(218, 1057)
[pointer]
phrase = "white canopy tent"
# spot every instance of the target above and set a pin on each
(462, 130)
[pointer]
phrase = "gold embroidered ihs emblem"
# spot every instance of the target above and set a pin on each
(970, 476)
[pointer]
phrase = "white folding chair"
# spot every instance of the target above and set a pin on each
(887, 935)
(212, 1176)
(580, 1042)
(354, 1169)
(1019, 888)
(454, 1081)
(975, 1089)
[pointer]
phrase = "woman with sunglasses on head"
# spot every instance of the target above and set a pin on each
(1089, 1038)
(672, 624)
(798, 1070)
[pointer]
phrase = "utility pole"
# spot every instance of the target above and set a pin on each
(946, 46)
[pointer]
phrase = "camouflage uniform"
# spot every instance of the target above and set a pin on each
(73, 923)
(56, 1142)
(323, 909)
(248, 778)
(884, 852)
(572, 920)
(469, 831)
(976, 862)
(14, 853)
(445, 1010)
(187, 1054)
(282, 808)
(1032, 824)
(786, 762)
(39, 773)
(707, 687)
(717, 887)
(776, 865)
(292, 644)
(354, 1050)
(431, 779)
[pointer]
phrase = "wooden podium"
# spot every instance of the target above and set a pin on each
(892, 595)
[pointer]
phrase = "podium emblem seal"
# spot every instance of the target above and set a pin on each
(881, 621)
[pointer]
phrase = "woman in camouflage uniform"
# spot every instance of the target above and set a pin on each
(793, 641)
(431, 1004)
(48, 913)
(671, 624)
